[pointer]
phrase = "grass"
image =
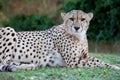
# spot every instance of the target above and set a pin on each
(97, 73)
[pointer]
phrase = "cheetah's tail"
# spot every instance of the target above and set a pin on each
(9, 68)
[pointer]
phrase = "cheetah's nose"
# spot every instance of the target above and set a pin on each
(76, 28)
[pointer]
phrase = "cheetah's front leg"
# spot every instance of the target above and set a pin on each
(26, 66)
(93, 62)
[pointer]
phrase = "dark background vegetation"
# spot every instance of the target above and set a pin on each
(104, 30)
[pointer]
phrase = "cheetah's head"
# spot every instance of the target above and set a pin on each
(76, 22)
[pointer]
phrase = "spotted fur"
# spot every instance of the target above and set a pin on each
(63, 45)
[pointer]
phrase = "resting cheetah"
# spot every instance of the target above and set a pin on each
(62, 45)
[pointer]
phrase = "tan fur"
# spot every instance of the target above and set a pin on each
(63, 45)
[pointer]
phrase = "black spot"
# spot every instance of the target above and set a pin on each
(15, 50)
(7, 40)
(37, 46)
(18, 45)
(9, 55)
(89, 65)
(34, 56)
(4, 33)
(3, 39)
(29, 36)
(94, 63)
(2, 30)
(7, 50)
(97, 60)
(44, 60)
(51, 61)
(8, 28)
(8, 34)
(31, 61)
(33, 50)
(27, 50)
(0, 53)
(76, 64)
(9, 43)
(23, 44)
(13, 34)
(49, 43)
(20, 51)
(13, 56)
(30, 47)
(30, 53)
(4, 44)
(66, 51)
(67, 55)
(0, 36)
(74, 58)
(82, 51)
(92, 60)
(83, 64)
(39, 57)
(34, 43)
(27, 42)
(79, 59)
(14, 39)
(28, 39)
(12, 47)
(3, 57)
(23, 48)
(106, 65)
(19, 57)
(74, 54)
(44, 46)
(26, 56)
(70, 65)
(4, 49)
(47, 65)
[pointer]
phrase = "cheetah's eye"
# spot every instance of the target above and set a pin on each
(72, 19)
(82, 19)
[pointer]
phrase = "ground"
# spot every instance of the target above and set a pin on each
(97, 73)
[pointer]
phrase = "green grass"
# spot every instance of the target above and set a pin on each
(97, 73)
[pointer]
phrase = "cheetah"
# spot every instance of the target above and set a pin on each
(64, 45)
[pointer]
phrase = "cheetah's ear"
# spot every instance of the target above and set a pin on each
(90, 15)
(62, 15)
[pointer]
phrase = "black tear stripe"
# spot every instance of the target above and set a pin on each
(77, 16)
(73, 22)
